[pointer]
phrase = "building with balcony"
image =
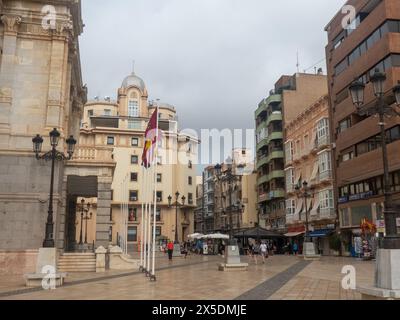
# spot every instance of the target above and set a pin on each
(113, 132)
(308, 158)
(371, 42)
(282, 106)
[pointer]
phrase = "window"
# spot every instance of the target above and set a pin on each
(345, 217)
(326, 199)
(190, 164)
(290, 180)
(159, 196)
(133, 109)
(134, 124)
(158, 231)
(110, 232)
(135, 142)
(159, 177)
(323, 129)
(325, 164)
(107, 112)
(359, 213)
(289, 151)
(132, 215)
(158, 215)
(393, 134)
(344, 125)
(290, 207)
(132, 234)
(133, 195)
(190, 198)
(134, 159)
(90, 113)
(341, 66)
(134, 176)
(190, 181)
(347, 156)
(110, 141)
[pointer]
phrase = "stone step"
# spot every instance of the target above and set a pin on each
(74, 270)
(77, 259)
(81, 255)
(77, 264)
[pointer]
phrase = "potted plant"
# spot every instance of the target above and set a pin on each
(335, 244)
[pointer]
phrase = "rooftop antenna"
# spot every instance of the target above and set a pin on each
(298, 62)
(133, 67)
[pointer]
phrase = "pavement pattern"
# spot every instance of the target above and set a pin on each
(198, 278)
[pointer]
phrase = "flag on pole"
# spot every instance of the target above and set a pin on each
(150, 137)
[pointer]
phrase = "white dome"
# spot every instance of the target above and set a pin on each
(135, 81)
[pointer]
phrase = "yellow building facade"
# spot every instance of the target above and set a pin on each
(114, 131)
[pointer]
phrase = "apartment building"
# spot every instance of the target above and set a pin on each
(371, 42)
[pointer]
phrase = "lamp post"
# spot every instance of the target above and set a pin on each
(176, 205)
(382, 110)
(84, 210)
(53, 155)
(305, 193)
(231, 179)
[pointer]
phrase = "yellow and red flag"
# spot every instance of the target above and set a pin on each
(150, 140)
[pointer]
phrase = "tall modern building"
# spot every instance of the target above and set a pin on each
(371, 42)
(291, 95)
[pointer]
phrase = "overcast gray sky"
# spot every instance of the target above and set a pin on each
(213, 59)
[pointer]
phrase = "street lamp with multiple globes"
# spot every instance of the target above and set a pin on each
(306, 192)
(176, 205)
(381, 109)
(53, 155)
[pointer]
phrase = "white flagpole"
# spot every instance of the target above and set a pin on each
(142, 221)
(145, 220)
(149, 224)
(153, 275)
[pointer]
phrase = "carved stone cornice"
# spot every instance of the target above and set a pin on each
(11, 23)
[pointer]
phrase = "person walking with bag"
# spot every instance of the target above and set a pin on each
(264, 251)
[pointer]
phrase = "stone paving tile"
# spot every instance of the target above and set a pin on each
(197, 278)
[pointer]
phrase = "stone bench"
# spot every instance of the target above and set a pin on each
(34, 280)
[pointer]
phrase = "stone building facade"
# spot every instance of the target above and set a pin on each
(308, 158)
(40, 89)
(112, 134)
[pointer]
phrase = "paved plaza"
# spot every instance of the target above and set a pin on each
(198, 278)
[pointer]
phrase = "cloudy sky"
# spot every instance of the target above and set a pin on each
(213, 59)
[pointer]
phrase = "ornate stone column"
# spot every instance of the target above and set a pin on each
(7, 68)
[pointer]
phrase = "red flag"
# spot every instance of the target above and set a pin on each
(150, 140)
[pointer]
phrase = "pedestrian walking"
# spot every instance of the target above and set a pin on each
(170, 248)
(264, 251)
(256, 252)
(295, 249)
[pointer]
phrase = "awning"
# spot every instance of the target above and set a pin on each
(320, 233)
(315, 171)
(315, 208)
(293, 234)
(299, 207)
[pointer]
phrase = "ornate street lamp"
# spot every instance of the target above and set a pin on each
(176, 205)
(381, 109)
(305, 193)
(52, 156)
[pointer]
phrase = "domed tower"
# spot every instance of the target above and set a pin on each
(132, 97)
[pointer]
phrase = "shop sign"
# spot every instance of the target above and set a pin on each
(380, 226)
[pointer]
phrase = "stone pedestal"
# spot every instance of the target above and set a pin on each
(232, 260)
(177, 251)
(101, 259)
(46, 275)
(387, 277)
(119, 261)
(309, 252)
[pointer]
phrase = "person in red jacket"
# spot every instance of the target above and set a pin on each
(170, 248)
